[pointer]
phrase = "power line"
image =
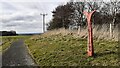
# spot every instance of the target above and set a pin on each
(43, 14)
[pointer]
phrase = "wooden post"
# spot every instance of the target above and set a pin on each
(90, 49)
(110, 31)
(79, 29)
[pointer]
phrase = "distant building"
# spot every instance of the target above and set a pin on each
(8, 33)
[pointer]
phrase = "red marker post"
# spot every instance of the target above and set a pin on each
(90, 49)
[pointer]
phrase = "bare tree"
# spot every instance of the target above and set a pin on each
(111, 8)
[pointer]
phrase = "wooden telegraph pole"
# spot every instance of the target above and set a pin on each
(43, 21)
(90, 49)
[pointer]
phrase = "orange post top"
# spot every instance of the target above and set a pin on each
(89, 15)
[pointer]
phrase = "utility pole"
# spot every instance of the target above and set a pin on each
(43, 14)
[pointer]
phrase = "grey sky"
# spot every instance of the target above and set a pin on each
(23, 16)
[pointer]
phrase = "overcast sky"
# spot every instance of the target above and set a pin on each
(23, 16)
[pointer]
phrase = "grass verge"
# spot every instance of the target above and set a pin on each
(62, 50)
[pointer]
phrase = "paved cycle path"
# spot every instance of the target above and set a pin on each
(17, 55)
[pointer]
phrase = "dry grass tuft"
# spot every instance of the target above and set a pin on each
(99, 32)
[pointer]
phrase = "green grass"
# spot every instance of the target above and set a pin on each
(7, 40)
(59, 50)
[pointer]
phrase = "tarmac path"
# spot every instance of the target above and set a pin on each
(17, 55)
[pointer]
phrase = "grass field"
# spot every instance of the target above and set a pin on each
(7, 40)
(60, 50)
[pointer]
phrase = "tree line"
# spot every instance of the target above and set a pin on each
(8, 33)
(71, 14)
